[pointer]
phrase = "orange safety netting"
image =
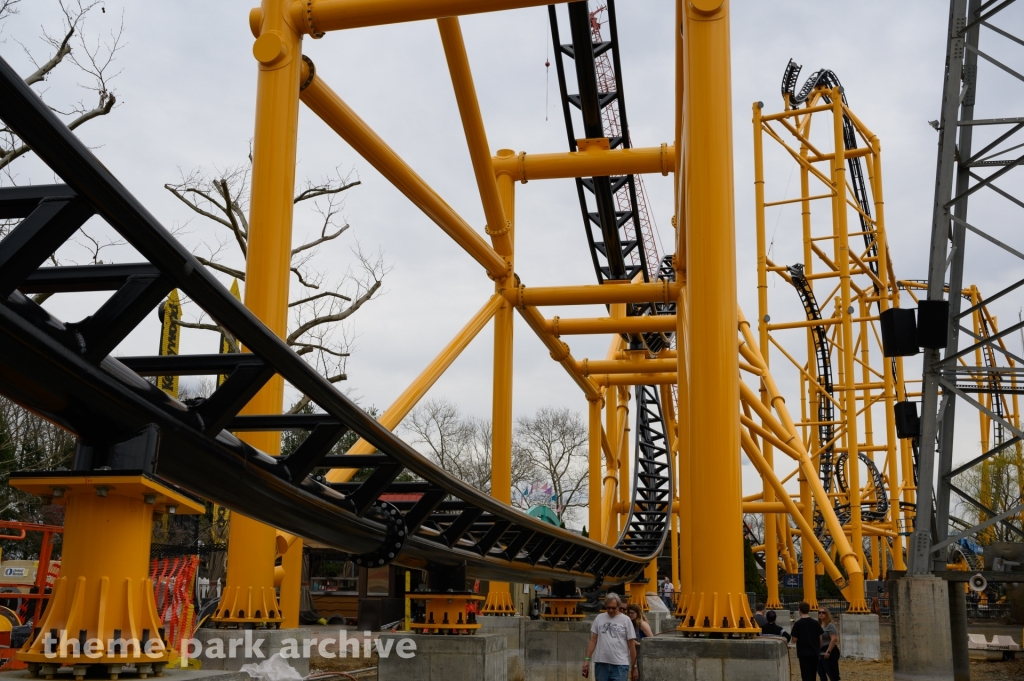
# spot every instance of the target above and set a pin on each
(173, 583)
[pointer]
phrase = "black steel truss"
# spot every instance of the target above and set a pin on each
(644, 529)
(610, 250)
(959, 178)
(648, 524)
(64, 372)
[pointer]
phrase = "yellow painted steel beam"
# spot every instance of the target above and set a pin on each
(606, 294)
(768, 507)
(595, 527)
(842, 254)
(797, 112)
(718, 602)
(407, 401)
(330, 108)
(625, 366)
(249, 596)
(499, 594)
(807, 532)
(559, 351)
(594, 162)
(316, 17)
(784, 426)
(498, 225)
(607, 380)
(558, 326)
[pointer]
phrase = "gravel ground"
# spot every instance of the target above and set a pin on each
(862, 670)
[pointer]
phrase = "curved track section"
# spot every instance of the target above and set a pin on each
(617, 256)
(644, 530)
(64, 372)
(826, 78)
(823, 355)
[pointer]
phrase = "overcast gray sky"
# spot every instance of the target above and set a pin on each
(186, 95)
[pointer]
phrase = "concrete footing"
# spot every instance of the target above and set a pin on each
(859, 637)
(481, 657)
(672, 657)
(229, 649)
(661, 621)
(514, 631)
(554, 651)
(921, 643)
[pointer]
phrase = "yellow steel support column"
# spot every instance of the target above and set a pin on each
(668, 408)
(594, 457)
(842, 256)
(685, 493)
(249, 595)
(718, 603)
(809, 571)
(499, 598)
(609, 496)
(771, 548)
(102, 611)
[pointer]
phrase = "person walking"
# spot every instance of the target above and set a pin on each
(641, 627)
(807, 634)
(773, 629)
(828, 663)
(667, 593)
(612, 646)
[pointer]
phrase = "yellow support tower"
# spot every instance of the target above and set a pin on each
(249, 596)
(718, 602)
(102, 611)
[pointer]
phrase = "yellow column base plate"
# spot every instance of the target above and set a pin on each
(715, 614)
(561, 608)
(499, 603)
(446, 613)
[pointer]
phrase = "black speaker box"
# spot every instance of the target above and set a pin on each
(932, 323)
(908, 423)
(899, 332)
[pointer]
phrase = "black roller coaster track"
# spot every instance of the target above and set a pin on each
(604, 226)
(64, 372)
(828, 79)
(648, 523)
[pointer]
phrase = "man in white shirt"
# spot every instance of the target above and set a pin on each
(612, 646)
(667, 591)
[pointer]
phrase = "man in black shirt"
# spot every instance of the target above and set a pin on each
(771, 628)
(807, 634)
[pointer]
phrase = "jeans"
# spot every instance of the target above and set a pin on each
(829, 667)
(611, 672)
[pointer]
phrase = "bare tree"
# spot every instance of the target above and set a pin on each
(555, 441)
(93, 56)
(320, 304)
(999, 484)
(460, 444)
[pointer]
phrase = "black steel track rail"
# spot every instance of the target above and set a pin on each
(610, 250)
(828, 79)
(64, 372)
(832, 468)
(648, 523)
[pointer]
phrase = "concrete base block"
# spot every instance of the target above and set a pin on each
(672, 657)
(555, 650)
(229, 649)
(859, 637)
(514, 631)
(170, 674)
(921, 642)
(444, 658)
